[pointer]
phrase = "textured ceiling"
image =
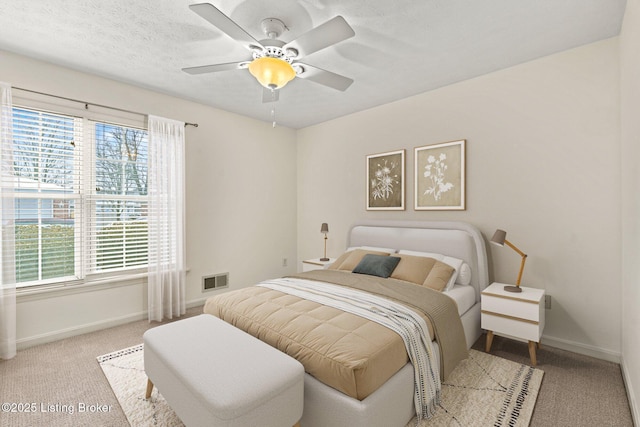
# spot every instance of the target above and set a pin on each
(401, 47)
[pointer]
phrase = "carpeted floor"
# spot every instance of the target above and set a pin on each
(64, 385)
(577, 390)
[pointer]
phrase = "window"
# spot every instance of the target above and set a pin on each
(46, 194)
(118, 223)
(80, 197)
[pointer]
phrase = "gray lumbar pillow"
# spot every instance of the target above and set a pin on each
(377, 265)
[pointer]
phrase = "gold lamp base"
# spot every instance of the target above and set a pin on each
(512, 288)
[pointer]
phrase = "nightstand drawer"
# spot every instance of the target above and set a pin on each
(511, 307)
(512, 327)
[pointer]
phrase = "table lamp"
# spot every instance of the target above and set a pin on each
(500, 238)
(324, 228)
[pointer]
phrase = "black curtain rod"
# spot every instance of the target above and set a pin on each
(86, 104)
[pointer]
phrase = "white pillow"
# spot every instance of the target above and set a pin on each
(464, 277)
(456, 263)
(373, 248)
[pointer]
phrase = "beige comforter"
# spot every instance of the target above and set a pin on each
(351, 354)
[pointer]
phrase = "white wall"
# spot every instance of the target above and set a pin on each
(240, 198)
(543, 158)
(630, 113)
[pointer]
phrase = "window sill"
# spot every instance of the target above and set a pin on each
(70, 288)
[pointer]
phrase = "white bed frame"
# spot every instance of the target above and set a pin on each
(392, 404)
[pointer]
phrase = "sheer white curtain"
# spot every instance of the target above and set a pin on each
(166, 281)
(7, 229)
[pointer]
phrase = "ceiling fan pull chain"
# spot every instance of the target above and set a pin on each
(273, 116)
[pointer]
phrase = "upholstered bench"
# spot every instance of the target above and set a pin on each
(213, 374)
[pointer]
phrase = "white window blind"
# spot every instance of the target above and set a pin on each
(47, 192)
(80, 197)
(118, 204)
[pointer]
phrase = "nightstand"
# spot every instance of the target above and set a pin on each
(513, 315)
(315, 264)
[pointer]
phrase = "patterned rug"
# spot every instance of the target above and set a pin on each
(484, 390)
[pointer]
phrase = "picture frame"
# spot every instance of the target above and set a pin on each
(385, 181)
(440, 176)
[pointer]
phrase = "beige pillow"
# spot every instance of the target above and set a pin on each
(423, 271)
(348, 260)
(339, 261)
(439, 276)
(413, 269)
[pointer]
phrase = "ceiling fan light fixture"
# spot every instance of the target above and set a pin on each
(272, 73)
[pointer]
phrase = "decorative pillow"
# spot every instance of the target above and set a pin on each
(414, 269)
(424, 271)
(377, 265)
(456, 263)
(336, 264)
(464, 275)
(439, 276)
(352, 258)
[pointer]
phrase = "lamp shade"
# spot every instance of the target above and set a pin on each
(499, 237)
(324, 228)
(272, 73)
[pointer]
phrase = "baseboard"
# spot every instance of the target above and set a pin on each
(633, 402)
(60, 334)
(580, 348)
(196, 302)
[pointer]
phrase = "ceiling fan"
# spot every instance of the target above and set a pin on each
(275, 62)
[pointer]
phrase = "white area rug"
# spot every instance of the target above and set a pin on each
(124, 370)
(484, 390)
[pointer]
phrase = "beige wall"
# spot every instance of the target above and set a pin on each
(543, 159)
(241, 190)
(630, 113)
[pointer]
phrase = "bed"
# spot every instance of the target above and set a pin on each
(378, 391)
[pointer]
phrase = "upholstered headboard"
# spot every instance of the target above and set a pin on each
(455, 239)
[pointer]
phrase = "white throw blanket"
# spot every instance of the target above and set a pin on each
(397, 317)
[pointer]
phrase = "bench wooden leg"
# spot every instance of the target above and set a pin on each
(149, 389)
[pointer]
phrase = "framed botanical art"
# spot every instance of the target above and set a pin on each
(440, 176)
(385, 181)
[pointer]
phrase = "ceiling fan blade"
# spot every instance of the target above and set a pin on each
(324, 77)
(202, 69)
(269, 95)
(225, 24)
(331, 32)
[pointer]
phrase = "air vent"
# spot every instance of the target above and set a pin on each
(215, 281)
